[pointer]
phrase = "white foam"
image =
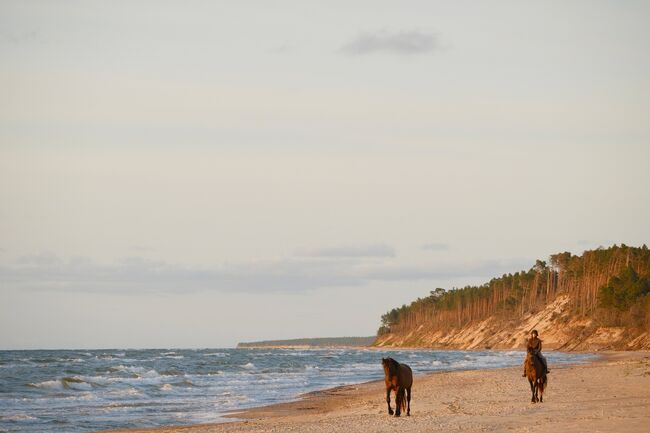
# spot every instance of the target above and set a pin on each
(128, 368)
(129, 392)
(139, 371)
(48, 384)
(249, 366)
(17, 417)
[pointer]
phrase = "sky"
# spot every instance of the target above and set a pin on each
(199, 173)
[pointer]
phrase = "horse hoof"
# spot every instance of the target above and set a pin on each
(396, 415)
(390, 412)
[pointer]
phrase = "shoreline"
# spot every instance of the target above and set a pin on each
(608, 393)
(308, 398)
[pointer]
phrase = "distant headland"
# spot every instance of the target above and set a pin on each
(310, 342)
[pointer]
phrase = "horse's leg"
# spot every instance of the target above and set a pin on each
(398, 400)
(541, 390)
(532, 391)
(390, 411)
(408, 401)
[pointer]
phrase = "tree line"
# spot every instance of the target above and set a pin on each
(611, 285)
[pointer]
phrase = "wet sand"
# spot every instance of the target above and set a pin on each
(608, 395)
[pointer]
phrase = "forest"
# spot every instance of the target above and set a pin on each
(610, 285)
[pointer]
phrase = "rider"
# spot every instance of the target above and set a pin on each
(536, 344)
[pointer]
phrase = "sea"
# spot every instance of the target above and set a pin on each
(87, 390)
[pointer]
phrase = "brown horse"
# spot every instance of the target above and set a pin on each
(536, 374)
(398, 378)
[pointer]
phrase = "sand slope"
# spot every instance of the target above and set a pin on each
(558, 325)
(611, 395)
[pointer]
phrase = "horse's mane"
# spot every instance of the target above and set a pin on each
(393, 366)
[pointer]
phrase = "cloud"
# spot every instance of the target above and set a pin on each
(434, 246)
(139, 275)
(46, 258)
(405, 42)
(378, 250)
(18, 37)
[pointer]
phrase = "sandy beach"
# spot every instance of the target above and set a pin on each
(611, 394)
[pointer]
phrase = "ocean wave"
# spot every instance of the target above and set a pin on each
(110, 356)
(249, 366)
(137, 371)
(76, 383)
(120, 393)
(17, 417)
(48, 384)
(184, 383)
(73, 383)
(75, 360)
(172, 372)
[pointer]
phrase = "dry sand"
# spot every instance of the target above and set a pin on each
(609, 395)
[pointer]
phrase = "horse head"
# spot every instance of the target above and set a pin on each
(390, 365)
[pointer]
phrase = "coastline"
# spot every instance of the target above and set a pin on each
(610, 393)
